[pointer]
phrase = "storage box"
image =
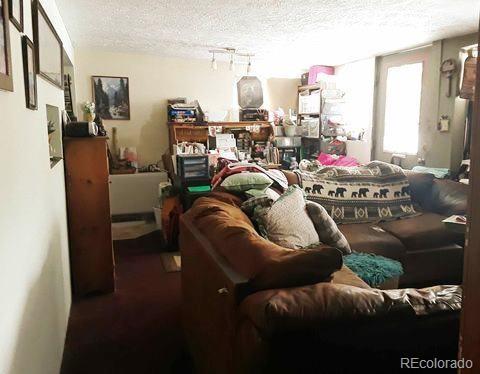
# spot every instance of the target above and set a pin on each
(309, 103)
(311, 127)
(192, 167)
(319, 69)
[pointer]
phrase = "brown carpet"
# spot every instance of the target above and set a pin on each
(137, 329)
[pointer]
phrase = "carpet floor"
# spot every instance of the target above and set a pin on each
(137, 329)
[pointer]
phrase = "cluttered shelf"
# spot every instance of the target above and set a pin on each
(206, 125)
(309, 87)
(201, 131)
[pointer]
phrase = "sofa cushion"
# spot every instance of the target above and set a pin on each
(423, 268)
(247, 181)
(420, 186)
(370, 238)
(269, 192)
(326, 304)
(287, 222)
(326, 227)
(422, 232)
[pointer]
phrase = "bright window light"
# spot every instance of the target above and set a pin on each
(402, 109)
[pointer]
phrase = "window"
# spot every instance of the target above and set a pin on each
(402, 109)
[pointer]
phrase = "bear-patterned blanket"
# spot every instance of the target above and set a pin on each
(375, 192)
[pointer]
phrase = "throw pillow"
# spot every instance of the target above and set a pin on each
(249, 205)
(246, 181)
(269, 192)
(287, 222)
(326, 227)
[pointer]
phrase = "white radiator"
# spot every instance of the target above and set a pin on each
(134, 193)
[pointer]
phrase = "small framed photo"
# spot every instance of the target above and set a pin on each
(16, 13)
(112, 97)
(48, 47)
(6, 78)
(29, 73)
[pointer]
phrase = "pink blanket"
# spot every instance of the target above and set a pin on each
(329, 160)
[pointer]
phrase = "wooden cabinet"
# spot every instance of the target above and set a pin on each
(89, 221)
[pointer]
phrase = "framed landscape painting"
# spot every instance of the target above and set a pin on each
(29, 73)
(112, 97)
(48, 47)
(6, 79)
(16, 13)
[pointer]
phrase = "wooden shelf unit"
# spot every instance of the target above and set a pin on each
(309, 89)
(198, 132)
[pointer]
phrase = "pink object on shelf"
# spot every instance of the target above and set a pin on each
(328, 160)
(319, 69)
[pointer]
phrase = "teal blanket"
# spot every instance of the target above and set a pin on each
(373, 269)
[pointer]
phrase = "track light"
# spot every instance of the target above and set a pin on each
(233, 53)
(214, 62)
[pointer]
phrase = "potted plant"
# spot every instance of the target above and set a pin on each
(89, 111)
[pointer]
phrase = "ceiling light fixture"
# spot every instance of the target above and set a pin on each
(232, 52)
(214, 62)
(231, 62)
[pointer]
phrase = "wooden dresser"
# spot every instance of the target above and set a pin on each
(89, 221)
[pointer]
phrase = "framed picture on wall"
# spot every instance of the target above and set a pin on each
(29, 73)
(112, 97)
(16, 13)
(48, 46)
(6, 78)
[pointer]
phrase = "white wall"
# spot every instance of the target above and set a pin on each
(454, 107)
(34, 265)
(155, 79)
(281, 93)
(357, 79)
(440, 149)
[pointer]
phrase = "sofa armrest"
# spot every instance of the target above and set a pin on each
(194, 244)
(420, 187)
(326, 304)
(448, 197)
(284, 268)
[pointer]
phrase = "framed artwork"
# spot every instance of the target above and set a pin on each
(16, 13)
(112, 98)
(29, 73)
(48, 47)
(6, 79)
(467, 91)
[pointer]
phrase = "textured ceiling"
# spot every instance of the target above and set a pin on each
(285, 35)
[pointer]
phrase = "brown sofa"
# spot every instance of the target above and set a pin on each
(251, 306)
(430, 253)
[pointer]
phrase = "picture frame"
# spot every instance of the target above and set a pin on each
(6, 76)
(29, 73)
(111, 96)
(48, 47)
(15, 8)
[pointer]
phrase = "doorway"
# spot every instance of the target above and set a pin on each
(404, 105)
(69, 87)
